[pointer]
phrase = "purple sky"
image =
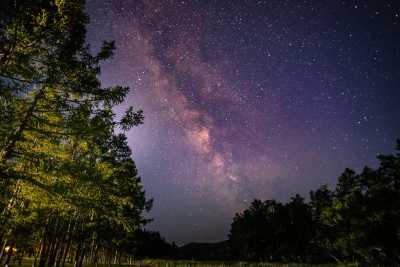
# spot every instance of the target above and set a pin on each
(250, 99)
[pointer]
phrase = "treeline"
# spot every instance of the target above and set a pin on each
(357, 221)
(70, 191)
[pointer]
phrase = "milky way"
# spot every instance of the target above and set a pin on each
(250, 99)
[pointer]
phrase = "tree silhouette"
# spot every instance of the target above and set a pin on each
(357, 221)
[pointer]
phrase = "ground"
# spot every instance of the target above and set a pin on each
(186, 263)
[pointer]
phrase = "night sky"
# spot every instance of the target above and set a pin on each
(249, 99)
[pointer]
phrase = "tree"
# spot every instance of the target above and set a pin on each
(149, 244)
(324, 227)
(357, 221)
(273, 231)
(67, 179)
(382, 209)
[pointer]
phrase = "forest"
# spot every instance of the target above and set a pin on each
(358, 221)
(69, 187)
(71, 192)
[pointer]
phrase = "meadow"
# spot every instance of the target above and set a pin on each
(188, 263)
(27, 262)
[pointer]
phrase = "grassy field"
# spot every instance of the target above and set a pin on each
(188, 263)
(180, 263)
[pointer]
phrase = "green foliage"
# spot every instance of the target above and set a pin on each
(273, 231)
(148, 244)
(358, 221)
(69, 185)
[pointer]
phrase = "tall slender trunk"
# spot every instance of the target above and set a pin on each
(62, 245)
(80, 254)
(45, 243)
(55, 241)
(53, 253)
(71, 256)
(60, 252)
(78, 250)
(92, 247)
(7, 208)
(115, 256)
(44, 253)
(71, 228)
(3, 249)
(119, 259)
(66, 251)
(35, 254)
(9, 254)
(95, 261)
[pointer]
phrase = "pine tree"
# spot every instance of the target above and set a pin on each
(65, 175)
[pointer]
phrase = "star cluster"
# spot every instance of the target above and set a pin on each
(250, 99)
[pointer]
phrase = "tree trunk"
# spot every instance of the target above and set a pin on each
(66, 251)
(9, 254)
(45, 244)
(115, 256)
(3, 249)
(81, 256)
(10, 204)
(78, 250)
(53, 253)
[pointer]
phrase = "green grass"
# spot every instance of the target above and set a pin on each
(184, 263)
(188, 263)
